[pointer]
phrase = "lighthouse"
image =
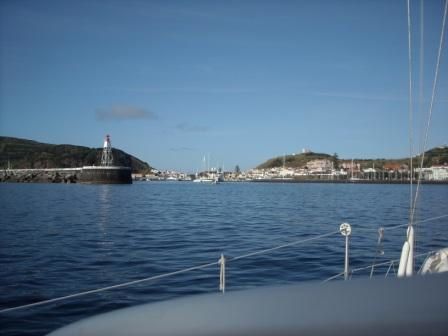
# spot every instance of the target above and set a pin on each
(106, 157)
(106, 172)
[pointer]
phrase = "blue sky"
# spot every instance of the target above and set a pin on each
(242, 81)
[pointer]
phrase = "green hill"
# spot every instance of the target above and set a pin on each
(22, 153)
(294, 161)
(434, 156)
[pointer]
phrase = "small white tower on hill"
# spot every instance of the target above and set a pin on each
(106, 157)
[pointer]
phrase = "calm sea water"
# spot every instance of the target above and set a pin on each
(58, 239)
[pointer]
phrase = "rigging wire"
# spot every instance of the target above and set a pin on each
(410, 112)
(431, 105)
(421, 101)
(422, 58)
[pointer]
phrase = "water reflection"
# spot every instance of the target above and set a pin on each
(104, 206)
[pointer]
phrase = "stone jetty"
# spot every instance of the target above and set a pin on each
(90, 175)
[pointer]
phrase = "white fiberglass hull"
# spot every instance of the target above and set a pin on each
(414, 306)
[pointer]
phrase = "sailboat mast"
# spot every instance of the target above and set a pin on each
(208, 163)
(352, 168)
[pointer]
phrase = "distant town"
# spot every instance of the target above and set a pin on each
(321, 169)
(24, 160)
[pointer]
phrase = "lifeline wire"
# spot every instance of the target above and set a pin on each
(161, 276)
(370, 266)
(283, 246)
(400, 225)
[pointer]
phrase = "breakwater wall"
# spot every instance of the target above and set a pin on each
(346, 181)
(90, 175)
(105, 175)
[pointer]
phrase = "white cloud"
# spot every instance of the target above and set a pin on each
(124, 113)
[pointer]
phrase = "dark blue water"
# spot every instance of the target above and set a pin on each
(58, 239)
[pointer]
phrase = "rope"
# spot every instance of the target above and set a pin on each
(421, 266)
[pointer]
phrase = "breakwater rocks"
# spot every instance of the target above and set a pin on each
(40, 175)
(89, 175)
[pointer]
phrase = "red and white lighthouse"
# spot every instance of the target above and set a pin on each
(106, 157)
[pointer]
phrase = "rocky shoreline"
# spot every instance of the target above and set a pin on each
(38, 177)
(86, 175)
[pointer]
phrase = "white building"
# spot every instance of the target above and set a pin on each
(319, 166)
(439, 173)
(434, 173)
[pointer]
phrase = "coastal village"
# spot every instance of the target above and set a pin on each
(324, 169)
(30, 161)
(317, 170)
